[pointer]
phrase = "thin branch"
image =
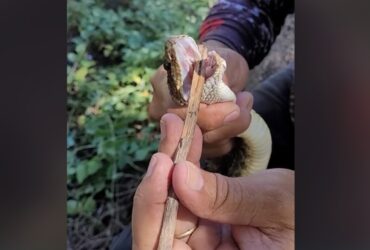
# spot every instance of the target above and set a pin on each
(170, 212)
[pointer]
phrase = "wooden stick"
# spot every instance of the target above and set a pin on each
(170, 213)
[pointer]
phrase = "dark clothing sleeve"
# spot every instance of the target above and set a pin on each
(273, 100)
(123, 241)
(247, 26)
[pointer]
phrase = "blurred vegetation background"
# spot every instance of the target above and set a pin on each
(114, 46)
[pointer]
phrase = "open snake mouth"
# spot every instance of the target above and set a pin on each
(181, 54)
(180, 58)
(186, 54)
(187, 64)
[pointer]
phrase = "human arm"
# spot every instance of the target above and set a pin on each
(248, 27)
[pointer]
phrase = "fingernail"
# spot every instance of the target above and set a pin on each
(194, 178)
(232, 116)
(163, 129)
(152, 163)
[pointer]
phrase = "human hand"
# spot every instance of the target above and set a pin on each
(254, 212)
(219, 122)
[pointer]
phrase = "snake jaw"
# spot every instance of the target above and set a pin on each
(181, 53)
(215, 90)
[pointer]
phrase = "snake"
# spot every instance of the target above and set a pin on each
(252, 149)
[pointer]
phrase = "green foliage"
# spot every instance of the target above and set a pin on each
(113, 49)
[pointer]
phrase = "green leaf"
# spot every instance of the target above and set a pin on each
(108, 194)
(141, 154)
(86, 169)
(72, 207)
(81, 48)
(81, 172)
(70, 141)
(71, 57)
(99, 186)
(109, 172)
(93, 166)
(89, 205)
(71, 171)
(81, 73)
(133, 147)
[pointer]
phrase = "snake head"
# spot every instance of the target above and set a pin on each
(181, 53)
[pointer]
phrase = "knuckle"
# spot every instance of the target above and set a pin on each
(228, 198)
(208, 124)
(222, 195)
(209, 119)
(181, 112)
(238, 196)
(250, 100)
(153, 112)
(208, 138)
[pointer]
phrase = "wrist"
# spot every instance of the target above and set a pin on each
(214, 44)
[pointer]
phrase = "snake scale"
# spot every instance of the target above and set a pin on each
(252, 148)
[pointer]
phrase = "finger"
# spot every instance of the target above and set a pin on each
(217, 149)
(245, 99)
(254, 238)
(264, 199)
(207, 235)
(231, 129)
(228, 242)
(171, 130)
(216, 115)
(180, 245)
(185, 221)
(159, 83)
(158, 76)
(212, 116)
(149, 201)
(155, 110)
(217, 142)
(161, 96)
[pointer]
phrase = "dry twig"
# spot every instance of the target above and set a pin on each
(170, 212)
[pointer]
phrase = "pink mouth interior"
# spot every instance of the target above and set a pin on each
(211, 64)
(187, 54)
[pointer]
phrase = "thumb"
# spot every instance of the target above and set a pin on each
(264, 199)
